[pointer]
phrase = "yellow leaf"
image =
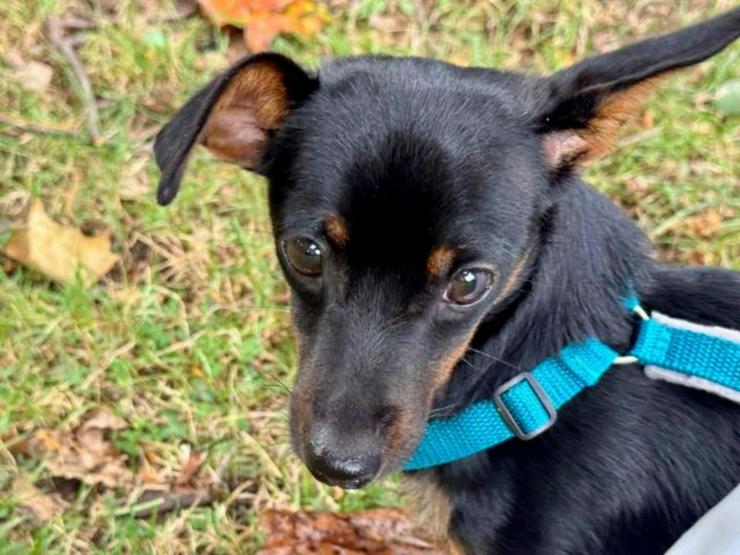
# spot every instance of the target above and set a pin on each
(58, 251)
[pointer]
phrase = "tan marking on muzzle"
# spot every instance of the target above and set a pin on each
(447, 364)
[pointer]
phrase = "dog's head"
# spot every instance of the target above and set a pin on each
(407, 197)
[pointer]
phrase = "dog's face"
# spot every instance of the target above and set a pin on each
(400, 221)
(407, 197)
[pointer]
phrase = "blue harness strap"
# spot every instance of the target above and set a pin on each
(524, 406)
(527, 405)
(693, 353)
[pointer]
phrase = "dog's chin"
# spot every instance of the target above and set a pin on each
(344, 484)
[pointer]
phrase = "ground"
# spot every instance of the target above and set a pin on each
(183, 353)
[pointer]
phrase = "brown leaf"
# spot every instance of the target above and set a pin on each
(190, 469)
(85, 453)
(705, 224)
(57, 251)
(104, 419)
(34, 76)
(375, 532)
(41, 506)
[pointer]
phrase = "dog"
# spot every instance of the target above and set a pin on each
(438, 240)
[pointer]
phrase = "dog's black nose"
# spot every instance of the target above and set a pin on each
(338, 469)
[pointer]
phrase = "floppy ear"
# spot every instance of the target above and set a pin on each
(583, 107)
(233, 116)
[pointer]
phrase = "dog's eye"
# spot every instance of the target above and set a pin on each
(304, 255)
(468, 286)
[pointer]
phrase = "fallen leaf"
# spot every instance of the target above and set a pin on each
(86, 453)
(104, 419)
(148, 476)
(41, 506)
(58, 251)
(374, 532)
(263, 20)
(34, 76)
(705, 224)
(698, 258)
(261, 31)
(188, 489)
(189, 470)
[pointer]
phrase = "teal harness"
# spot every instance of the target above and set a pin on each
(527, 405)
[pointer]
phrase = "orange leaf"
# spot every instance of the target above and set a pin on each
(189, 469)
(259, 33)
(263, 20)
(239, 12)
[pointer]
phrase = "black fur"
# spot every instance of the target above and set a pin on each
(413, 154)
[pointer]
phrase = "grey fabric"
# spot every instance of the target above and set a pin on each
(716, 533)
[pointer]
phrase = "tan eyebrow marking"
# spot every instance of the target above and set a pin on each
(337, 230)
(440, 261)
(513, 276)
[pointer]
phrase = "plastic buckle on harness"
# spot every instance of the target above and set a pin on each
(631, 359)
(541, 396)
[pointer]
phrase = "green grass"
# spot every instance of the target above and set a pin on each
(189, 339)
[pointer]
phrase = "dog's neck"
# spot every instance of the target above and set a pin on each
(586, 256)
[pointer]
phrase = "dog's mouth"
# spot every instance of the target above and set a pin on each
(344, 483)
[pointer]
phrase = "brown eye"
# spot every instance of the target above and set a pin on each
(468, 286)
(304, 255)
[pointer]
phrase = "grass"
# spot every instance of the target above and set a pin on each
(188, 340)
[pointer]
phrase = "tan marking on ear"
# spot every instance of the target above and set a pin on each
(514, 276)
(258, 87)
(337, 230)
(577, 146)
(440, 261)
(254, 102)
(617, 109)
(431, 509)
(232, 135)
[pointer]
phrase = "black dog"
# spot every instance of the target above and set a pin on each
(422, 211)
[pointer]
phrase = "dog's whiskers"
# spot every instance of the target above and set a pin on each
(494, 358)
